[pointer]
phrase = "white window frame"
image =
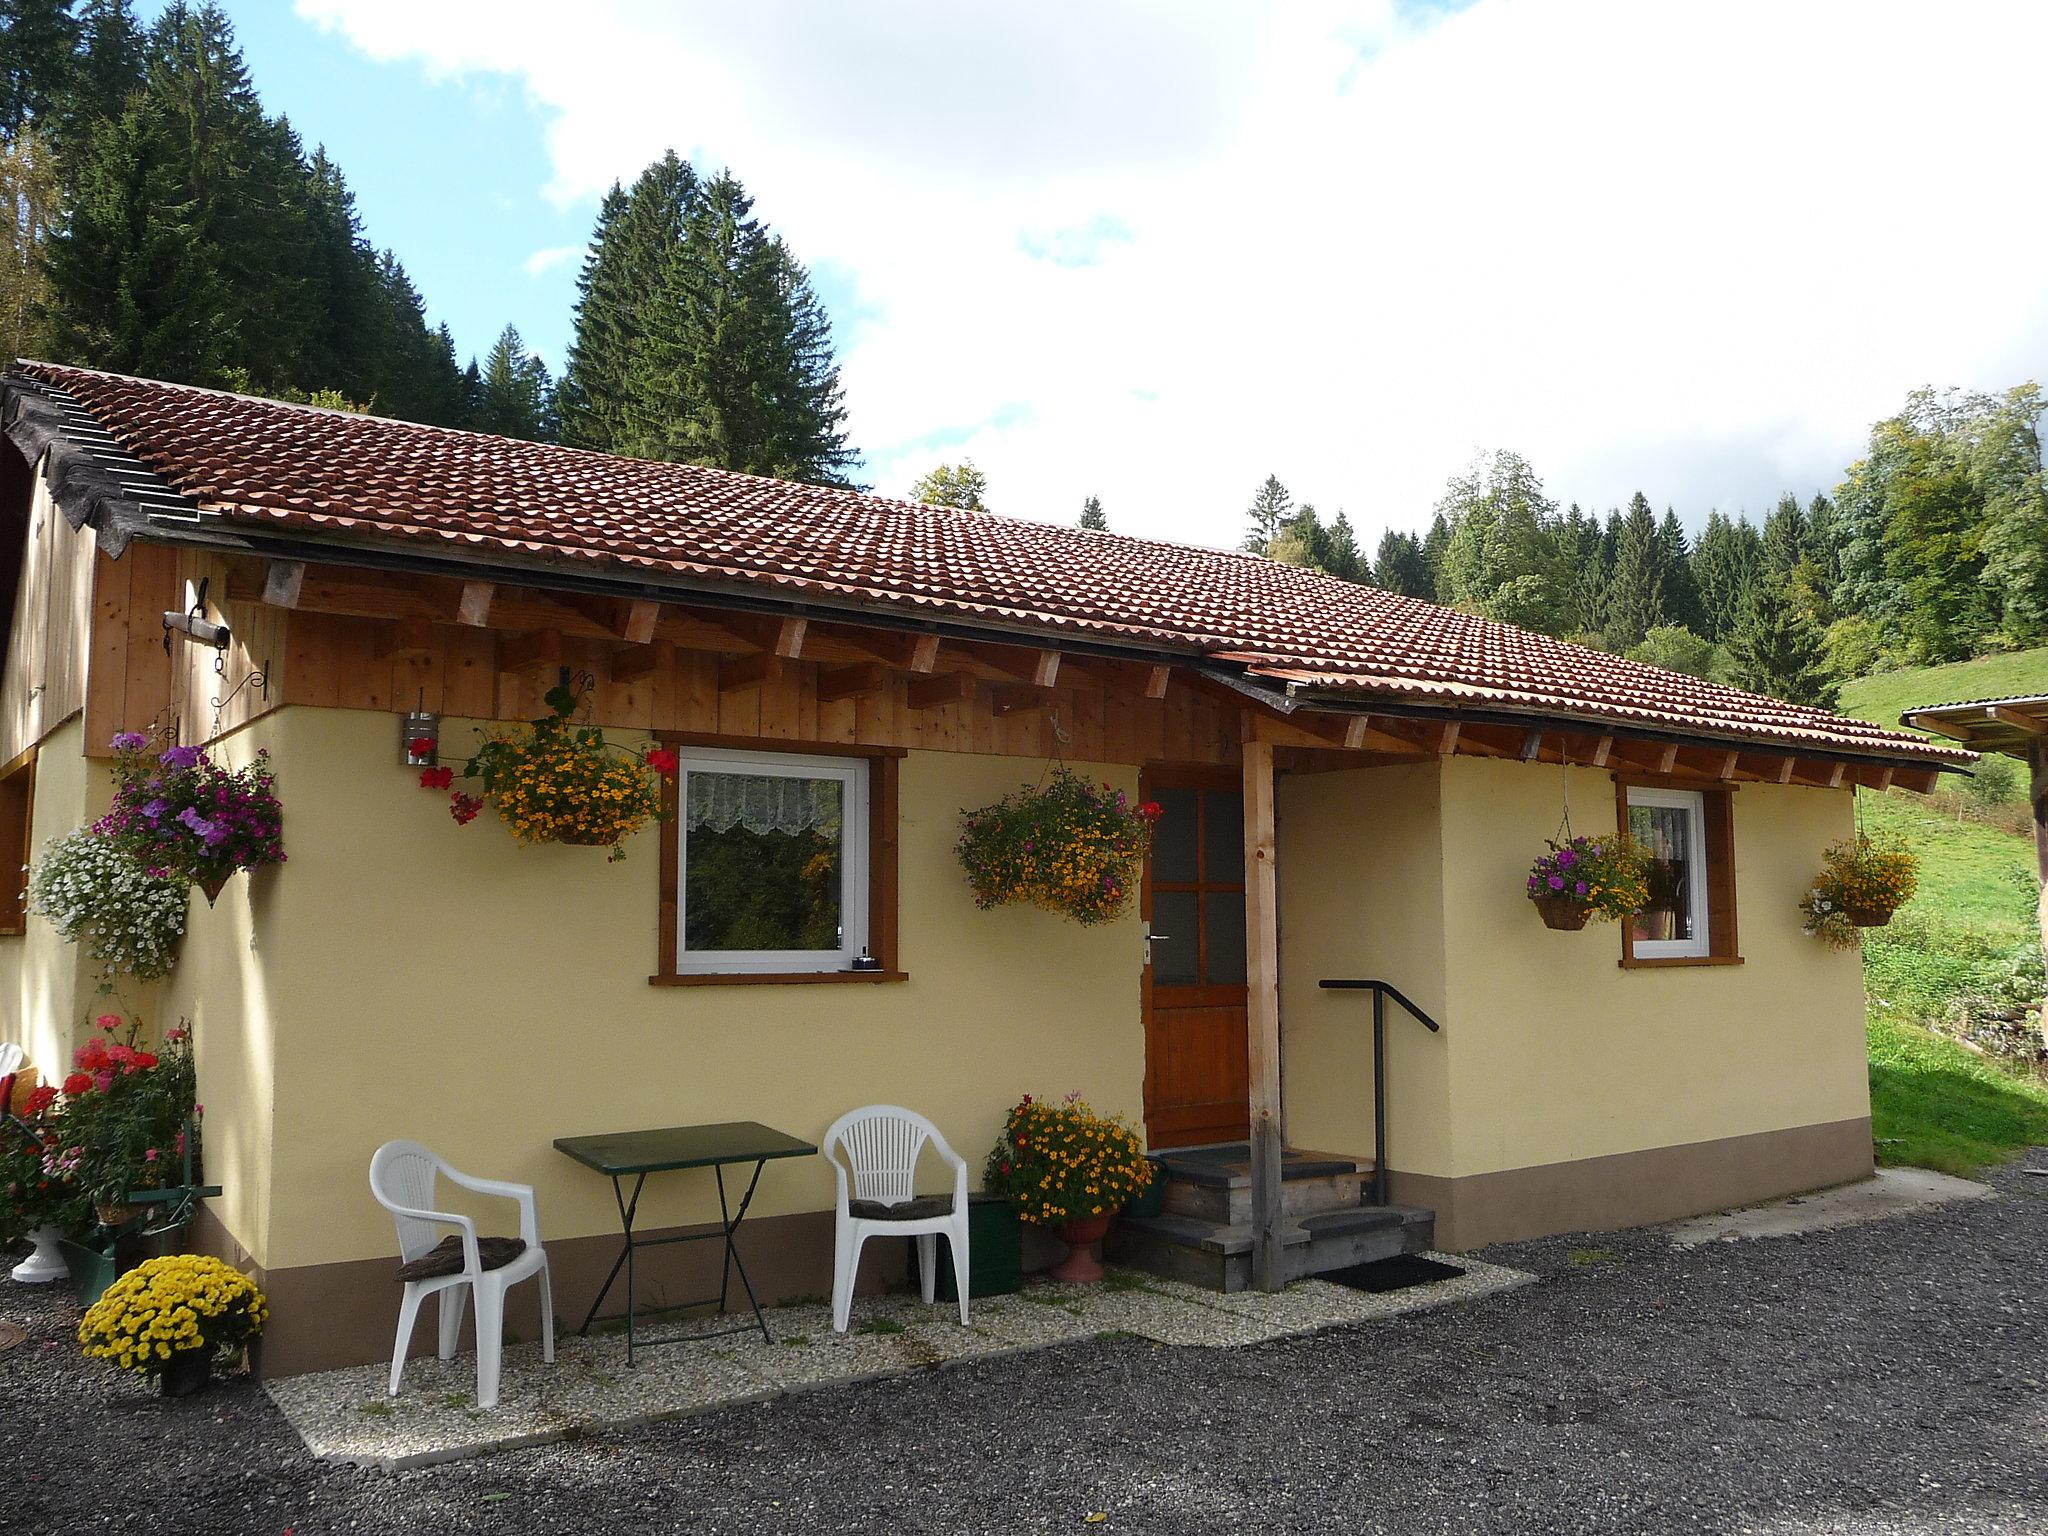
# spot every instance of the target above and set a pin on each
(852, 772)
(1694, 803)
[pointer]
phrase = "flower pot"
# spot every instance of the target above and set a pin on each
(1079, 1267)
(185, 1372)
(583, 839)
(116, 1213)
(1868, 917)
(45, 1263)
(1561, 912)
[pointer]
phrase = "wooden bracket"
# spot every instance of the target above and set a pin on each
(541, 648)
(406, 640)
(1157, 681)
(737, 673)
(939, 690)
(474, 608)
(853, 682)
(1019, 698)
(641, 617)
(638, 661)
(282, 582)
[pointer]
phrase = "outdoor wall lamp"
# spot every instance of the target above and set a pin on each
(419, 739)
(193, 622)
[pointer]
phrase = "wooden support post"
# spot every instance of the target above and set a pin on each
(475, 607)
(282, 580)
(1262, 1009)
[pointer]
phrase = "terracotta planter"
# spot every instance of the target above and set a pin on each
(1561, 913)
(185, 1372)
(1867, 917)
(1079, 1267)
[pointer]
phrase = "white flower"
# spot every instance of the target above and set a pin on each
(131, 920)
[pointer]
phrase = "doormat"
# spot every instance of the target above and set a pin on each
(1395, 1274)
(11, 1334)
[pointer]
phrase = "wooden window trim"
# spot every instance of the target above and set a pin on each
(1723, 936)
(884, 788)
(17, 824)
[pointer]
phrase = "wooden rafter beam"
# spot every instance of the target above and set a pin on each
(406, 640)
(857, 681)
(1020, 698)
(2026, 724)
(641, 617)
(938, 690)
(282, 581)
(474, 605)
(1602, 750)
(638, 661)
(739, 673)
(540, 648)
(1157, 680)
(1949, 728)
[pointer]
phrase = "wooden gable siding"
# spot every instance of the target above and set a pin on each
(44, 680)
(428, 655)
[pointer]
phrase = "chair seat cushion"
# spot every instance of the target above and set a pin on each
(916, 1208)
(445, 1257)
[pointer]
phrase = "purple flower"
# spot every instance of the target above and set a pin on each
(1580, 888)
(154, 811)
(198, 823)
(130, 741)
(178, 758)
(1557, 882)
(1533, 882)
(1566, 857)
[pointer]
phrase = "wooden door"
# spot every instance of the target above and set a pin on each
(1197, 1079)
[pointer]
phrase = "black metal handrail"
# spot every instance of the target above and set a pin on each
(1381, 991)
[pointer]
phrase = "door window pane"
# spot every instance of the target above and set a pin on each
(1173, 839)
(1173, 939)
(1223, 916)
(1223, 837)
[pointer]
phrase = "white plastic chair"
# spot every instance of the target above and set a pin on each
(881, 1144)
(11, 1058)
(402, 1177)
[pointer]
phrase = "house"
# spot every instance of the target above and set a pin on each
(1354, 786)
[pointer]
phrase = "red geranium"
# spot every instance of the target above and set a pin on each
(40, 1100)
(464, 807)
(77, 1083)
(421, 746)
(436, 778)
(663, 761)
(1151, 810)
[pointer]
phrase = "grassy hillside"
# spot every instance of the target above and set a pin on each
(1934, 1102)
(1883, 695)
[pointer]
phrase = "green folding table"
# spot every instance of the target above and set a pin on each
(635, 1154)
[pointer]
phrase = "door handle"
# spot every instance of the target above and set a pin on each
(1149, 937)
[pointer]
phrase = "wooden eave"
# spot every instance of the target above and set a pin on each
(2011, 726)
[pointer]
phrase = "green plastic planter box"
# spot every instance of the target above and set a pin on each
(995, 1251)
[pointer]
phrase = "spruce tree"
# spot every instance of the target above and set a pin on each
(31, 208)
(1784, 540)
(1269, 509)
(1092, 516)
(1724, 565)
(1434, 543)
(1401, 566)
(1681, 591)
(514, 395)
(1586, 571)
(38, 55)
(1635, 598)
(1777, 649)
(1342, 557)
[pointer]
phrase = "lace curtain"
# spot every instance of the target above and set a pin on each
(763, 802)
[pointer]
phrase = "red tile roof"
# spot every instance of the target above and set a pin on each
(366, 478)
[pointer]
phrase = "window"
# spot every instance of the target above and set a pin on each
(1690, 917)
(778, 866)
(17, 804)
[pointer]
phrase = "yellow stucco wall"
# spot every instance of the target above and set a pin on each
(49, 989)
(405, 977)
(1361, 876)
(1551, 1052)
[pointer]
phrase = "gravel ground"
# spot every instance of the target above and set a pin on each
(1884, 1378)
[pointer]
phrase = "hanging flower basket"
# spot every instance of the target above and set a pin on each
(1067, 845)
(181, 815)
(95, 892)
(556, 780)
(1862, 882)
(1589, 879)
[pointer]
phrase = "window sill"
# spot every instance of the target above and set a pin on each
(1670, 962)
(774, 978)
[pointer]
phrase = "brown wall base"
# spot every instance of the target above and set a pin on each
(1633, 1189)
(327, 1315)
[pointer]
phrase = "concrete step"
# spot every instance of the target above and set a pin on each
(1218, 1255)
(1215, 1183)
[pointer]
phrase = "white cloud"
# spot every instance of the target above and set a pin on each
(1692, 248)
(551, 257)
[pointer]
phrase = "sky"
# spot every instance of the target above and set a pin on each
(1156, 251)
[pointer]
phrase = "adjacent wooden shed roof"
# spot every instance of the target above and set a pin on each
(2011, 726)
